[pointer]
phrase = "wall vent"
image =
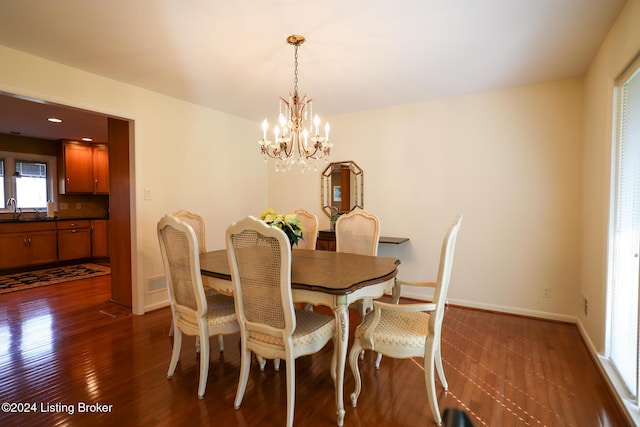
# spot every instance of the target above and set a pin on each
(156, 283)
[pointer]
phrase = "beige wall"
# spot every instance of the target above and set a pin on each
(507, 160)
(186, 155)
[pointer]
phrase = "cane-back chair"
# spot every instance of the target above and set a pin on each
(270, 325)
(410, 330)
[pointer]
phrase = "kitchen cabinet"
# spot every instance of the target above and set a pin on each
(75, 168)
(100, 166)
(99, 238)
(23, 244)
(74, 239)
(83, 168)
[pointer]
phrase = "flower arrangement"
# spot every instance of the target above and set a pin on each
(288, 223)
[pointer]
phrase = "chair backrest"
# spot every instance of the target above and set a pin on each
(260, 263)
(358, 232)
(197, 224)
(309, 225)
(444, 276)
(178, 245)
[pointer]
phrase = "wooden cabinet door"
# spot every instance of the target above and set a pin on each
(326, 241)
(74, 244)
(99, 238)
(13, 250)
(78, 169)
(100, 169)
(42, 247)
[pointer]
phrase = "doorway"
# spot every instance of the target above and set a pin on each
(22, 116)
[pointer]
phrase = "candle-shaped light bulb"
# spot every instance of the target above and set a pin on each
(326, 131)
(282, 120)
(316, 122)
(265, 125)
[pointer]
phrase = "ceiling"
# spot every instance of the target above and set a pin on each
(359, 54)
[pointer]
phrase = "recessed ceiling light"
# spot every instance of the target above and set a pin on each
(54, 120)
(87, 139)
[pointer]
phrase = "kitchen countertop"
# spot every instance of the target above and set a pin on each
(55, 218)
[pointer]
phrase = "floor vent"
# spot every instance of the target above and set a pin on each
(156, 283)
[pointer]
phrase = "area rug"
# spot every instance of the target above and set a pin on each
(50, 276)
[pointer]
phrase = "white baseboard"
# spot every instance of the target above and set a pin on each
(497, 308)
(156, 305)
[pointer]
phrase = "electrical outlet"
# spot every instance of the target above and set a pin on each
(147, 194)
(64, 206)
(546, 292)
(78, 205)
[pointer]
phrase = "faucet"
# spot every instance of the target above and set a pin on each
(12, 202)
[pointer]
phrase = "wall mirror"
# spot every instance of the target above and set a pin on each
(341, 188)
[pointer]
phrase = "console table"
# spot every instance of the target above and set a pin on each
(327, 240)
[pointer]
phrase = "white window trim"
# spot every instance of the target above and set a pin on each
(10, 158)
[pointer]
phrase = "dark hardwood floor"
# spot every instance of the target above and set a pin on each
(65, 347)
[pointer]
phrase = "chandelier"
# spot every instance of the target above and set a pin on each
(297, 137)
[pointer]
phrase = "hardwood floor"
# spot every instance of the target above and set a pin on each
(63, 346)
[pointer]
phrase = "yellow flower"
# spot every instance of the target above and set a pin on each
(288, 223)
(268, 216)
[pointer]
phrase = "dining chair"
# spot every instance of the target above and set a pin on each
(309, 225)
(270, 325)
(410, 330)
(196, 222)
(358, 232)
(194, 313)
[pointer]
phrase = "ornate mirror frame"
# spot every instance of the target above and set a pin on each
(341, 188)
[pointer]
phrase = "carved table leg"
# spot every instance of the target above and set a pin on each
(341, 313)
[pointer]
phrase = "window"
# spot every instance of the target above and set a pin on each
(624, 235)
(27, 178)
(31, 184)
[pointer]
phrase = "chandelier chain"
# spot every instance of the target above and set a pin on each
(295, 71)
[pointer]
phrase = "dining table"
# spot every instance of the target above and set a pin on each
(331, 279)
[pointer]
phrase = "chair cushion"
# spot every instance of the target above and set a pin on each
(220, 311)
(310, 326)
(398, 329)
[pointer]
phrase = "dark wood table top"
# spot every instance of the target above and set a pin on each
(330, 272)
